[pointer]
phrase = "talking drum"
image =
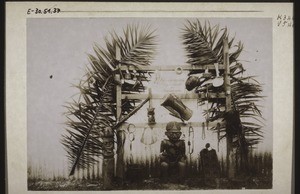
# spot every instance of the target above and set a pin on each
(176, 107)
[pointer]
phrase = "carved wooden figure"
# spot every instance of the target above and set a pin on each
(172, 156)
(108, 157)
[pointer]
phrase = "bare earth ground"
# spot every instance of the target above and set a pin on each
(193, 183)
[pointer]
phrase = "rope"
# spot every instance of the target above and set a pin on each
(191, 143)
(218, 128)
(131, 138)
(207, 108)
(203, 131)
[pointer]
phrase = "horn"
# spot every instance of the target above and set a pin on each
(176, 107)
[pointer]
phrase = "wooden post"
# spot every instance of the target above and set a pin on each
(108, 158)
(120, 134)
(230, 157)
(108, 166)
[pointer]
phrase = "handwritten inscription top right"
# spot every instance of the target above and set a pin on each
(285, 20)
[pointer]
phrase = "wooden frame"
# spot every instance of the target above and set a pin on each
(225, 94)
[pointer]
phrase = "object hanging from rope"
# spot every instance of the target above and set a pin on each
(207, 108)
(203, 131)
(191, 144)
(176, 107)
(191, 140)
(149, 136)
(151, 115)
(218, 131)
(131, 137)
(150, 109)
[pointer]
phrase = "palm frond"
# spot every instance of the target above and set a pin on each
(199, 42)
(97, 91)
(204, 44)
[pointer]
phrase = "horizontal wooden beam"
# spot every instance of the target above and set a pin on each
(159, 96)
(172, 67)
(212, 95)
(187, 124)
(180, 95)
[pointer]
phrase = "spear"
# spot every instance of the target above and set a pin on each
(114, 127)
(83, 144)
(122, 120)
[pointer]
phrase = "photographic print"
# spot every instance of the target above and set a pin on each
(160, 103)
(120, 100)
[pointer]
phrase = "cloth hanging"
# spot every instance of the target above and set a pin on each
(209, 163)
(149, 136)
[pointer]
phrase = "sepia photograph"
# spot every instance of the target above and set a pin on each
(160, 103)
(112, 98)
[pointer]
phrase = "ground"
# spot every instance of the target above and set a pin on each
(192, 183)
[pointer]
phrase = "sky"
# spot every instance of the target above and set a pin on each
(57, 55)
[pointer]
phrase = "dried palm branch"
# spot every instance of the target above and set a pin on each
(95, 108)
(204, 45)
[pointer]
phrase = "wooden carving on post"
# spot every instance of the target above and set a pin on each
(96, 106)
(108, 157)
(206, 44)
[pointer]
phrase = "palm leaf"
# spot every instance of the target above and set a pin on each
(203, 45)
(97, 90)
